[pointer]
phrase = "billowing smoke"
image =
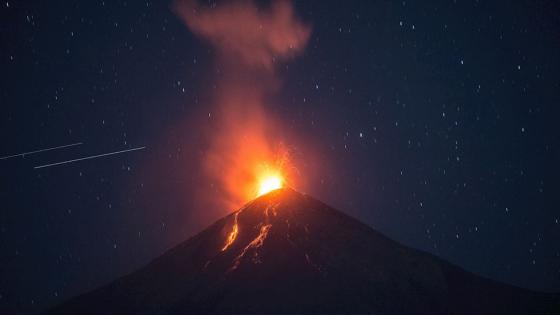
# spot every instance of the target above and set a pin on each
(245, 35)
(248, 42)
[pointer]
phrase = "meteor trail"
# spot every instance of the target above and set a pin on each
(41, 150)
(89, 157)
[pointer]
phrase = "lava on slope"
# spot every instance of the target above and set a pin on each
(287, 253)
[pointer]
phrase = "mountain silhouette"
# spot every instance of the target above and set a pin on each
(287, 253)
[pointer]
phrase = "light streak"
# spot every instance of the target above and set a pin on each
(89, 157)
(40, 150)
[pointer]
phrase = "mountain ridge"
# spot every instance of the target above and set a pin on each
(286, 252)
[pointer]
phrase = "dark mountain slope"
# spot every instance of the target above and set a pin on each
(288, 253)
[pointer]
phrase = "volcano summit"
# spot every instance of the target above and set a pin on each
(288, 253)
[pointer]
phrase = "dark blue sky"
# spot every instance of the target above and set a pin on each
(435, 123)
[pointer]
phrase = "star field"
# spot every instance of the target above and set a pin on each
(433, 123)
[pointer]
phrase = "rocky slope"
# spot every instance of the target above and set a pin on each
(286, 253)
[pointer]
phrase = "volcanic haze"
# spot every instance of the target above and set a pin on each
(244, 140)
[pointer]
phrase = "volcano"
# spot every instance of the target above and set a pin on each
(287, 253)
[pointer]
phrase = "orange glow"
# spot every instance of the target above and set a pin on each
(255, 244)
(245, 163)
(243, 153)
(233, 234)
(270, 183)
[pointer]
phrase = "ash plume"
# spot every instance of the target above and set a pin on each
(244, 34)
(248, 43)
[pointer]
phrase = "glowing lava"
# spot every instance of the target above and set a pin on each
(270, 183)
(233, 234)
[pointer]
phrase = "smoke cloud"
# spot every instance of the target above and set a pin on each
(242, 33)
(248, 42)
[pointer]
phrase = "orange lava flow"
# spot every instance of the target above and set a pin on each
(255, 244)
(259, 240)
(233, 234)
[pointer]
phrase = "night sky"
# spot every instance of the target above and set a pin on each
(435, 124)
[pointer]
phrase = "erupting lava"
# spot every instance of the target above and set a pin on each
(270, 183)
(244, 155)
